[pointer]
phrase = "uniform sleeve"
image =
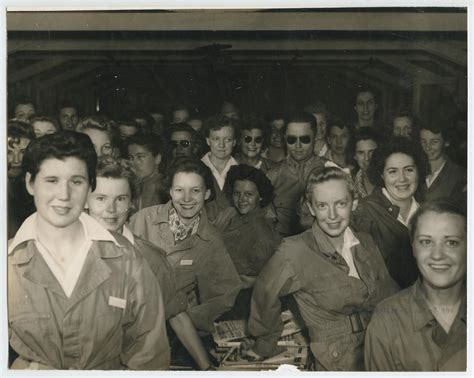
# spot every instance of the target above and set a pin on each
(378, 354)
(278, 278)
(218, 285)
(138, 225)
(145, 343)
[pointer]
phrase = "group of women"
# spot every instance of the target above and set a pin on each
(93, 283)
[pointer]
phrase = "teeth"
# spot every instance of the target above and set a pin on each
(439, 266)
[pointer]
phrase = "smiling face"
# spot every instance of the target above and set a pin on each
(299, 140)
(110, 202)
(188, 194)
(221, 142)
(101, 141)
(24, 111)
(365, 106)
(331, 204)
(68, 118)
(181, 143)
(433, 145)
(60, 190)
(363, 153)
(403, 126)
(440, 249)
(245, 196)
(251, 142)
(400, 176)
(43, 128)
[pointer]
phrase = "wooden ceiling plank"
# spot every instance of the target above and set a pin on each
(34, 69)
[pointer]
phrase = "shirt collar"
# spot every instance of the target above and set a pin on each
(128, 234)
(325, 246)
(93, 230)
(413, 207)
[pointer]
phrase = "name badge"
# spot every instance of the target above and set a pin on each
(117, 302)
(186, 262)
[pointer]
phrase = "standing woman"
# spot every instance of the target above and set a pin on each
(78, 297)
(423, 328)
(396, 170)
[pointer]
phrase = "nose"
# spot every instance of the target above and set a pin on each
(366, 156)
(402, 176)
(16, 158)
(332, 213)
(187, 196)
(221, 143)
(298, 143)
(110, 206)
(63, 190)
(241, 198)
(437, 252)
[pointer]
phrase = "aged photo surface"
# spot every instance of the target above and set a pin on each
(237, 189)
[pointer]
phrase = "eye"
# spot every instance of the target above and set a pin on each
(342, 204)
(320, 206)
(100, 198)
(425, 242)
(196, 190)
(410, 169)
(452, 243)
(391, 171)
(52, 180)
(122, 199)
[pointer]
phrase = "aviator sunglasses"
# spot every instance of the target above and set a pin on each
(249, 139)
(182, 143)
(305, 139)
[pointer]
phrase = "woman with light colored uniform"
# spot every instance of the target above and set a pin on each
(423, 328)
(78, 296)
(110, 204)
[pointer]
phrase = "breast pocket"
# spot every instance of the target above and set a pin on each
(108, 329)
(33, 330)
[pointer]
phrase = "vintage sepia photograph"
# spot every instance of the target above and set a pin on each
(236, 189)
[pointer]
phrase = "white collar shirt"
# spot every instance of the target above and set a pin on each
(220, 177)
(432, 177)
(413, 207)
(350, 241)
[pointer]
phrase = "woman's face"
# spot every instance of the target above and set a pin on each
(60, 190)
(403, 126)
(251, 143)
(143, 160)
(101, 141)
(246, 196)
(110, 202)
(440, 249)
(321, 125)
(188, 194)
(400, 176)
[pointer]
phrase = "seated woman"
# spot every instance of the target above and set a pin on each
(145, 153)
(252, 142)
(423, 328)
(110, 205)
(335, 275)
(78, 297)
(396, 170)
(248, 234)
(194, 248)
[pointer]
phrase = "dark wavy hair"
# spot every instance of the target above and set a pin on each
(61, 145)
(217, 122)
(17, 129)
(439, 206)
(151, 142)
(396, 145)
(48, 119)
(243, 172)
(192, 165)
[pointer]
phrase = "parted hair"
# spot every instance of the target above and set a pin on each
(324, 174)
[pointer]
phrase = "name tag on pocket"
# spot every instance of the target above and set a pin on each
(117, 302)
(186, 262)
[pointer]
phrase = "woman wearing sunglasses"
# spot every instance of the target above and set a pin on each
(253, 141)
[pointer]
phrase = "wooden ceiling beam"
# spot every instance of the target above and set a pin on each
(67, 75)
(33, 69)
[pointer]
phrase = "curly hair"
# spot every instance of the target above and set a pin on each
(396, 145)
(243, 172)
(323, 174)
(109, 167)
(217, 122)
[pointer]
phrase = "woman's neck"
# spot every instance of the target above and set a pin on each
(450, 296)
(437, 164)
(58, 240)
(219, 164)
(249, 160)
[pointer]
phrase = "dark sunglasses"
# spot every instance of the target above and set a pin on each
(305, 139)
(182, 143)
(248, 139)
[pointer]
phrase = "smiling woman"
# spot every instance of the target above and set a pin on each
(59, 255)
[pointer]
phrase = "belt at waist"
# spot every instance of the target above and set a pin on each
(353, 323)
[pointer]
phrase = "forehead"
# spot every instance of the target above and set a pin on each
(68, 111)
(24, 107)
(188, 179)
(22, 143)
(338, 130)
(225, 131)
(299, 128)
(43, 124)
(365, 96)
(366, 144)
(278, 123)
(402, 121)
(109, 185)
(450, 223)
(181, 135)
(95, 134)
(137, 149)
(123, 125)
(71, 165)
(427, 134)
(331, 190)
(252, 132)
(182, 111)
(399, 159)
(245, 185)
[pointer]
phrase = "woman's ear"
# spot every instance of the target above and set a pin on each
(158, 159)
(207, 194)
(310, 209)
(355, 203)
(29, 184)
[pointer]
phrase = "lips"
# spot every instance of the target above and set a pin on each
(439, 267)
(334, 226)
(61, 210)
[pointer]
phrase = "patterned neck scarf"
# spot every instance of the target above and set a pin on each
(180, 230)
